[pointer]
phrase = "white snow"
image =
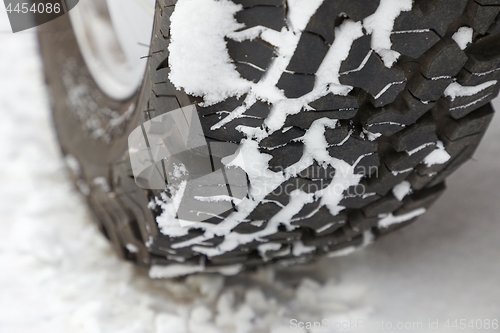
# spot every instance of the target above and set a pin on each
(463, 37)
(455, 89)
(402, 190)
(168, 222)
(390, 219)
(328, 71)
(381, 92)
(380, 25)
(438, 156)
(198, 66)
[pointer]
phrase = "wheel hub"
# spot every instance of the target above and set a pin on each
(114, 37)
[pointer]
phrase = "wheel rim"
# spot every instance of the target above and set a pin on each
(114, 37)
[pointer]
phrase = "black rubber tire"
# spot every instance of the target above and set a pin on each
(93, 129)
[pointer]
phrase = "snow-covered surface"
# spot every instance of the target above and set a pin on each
(58, 274)
(402, 190)
(455, 89)
(463, 37)
(438, 156)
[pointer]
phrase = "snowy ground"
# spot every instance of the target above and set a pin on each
(58, 275)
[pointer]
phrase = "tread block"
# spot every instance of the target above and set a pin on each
(359, 51)
(249, 72)
(413, 107)
(305, 119)
(419, 181)
(330, 242)
(434, 14)
(403, 161)
(220, 260)
(321, 221)
(488, 2)
(259, 109)
(280, 138)
(335, 102)
(303, 60)
(462, 106)
(358, 222)
(296, 85)
(474, 123)
(324, 20)
(385, 205)
(425, 170)
(344, 242)
(352, 149)
(394, 117)
(229, 131)
(398, 111)
(240, 250)
(390, 229)
(460, 159)
(384, 84)
(421, 199)
(255, 52)
(385, 180)
(443, 59)
(415, 135)
(253, 3)
(264, 211)
(284, 237)
(480, 17)
(456, 146)
(335, 136)
(414, 44)
(428, 90)
(228, 105)
(358, 201)
(250, 227)
(316, 171)
(164, 89)
(385, 128)
(267, 16)
(368, 165)
(467, 78)
(386, 120)
(284, 156)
